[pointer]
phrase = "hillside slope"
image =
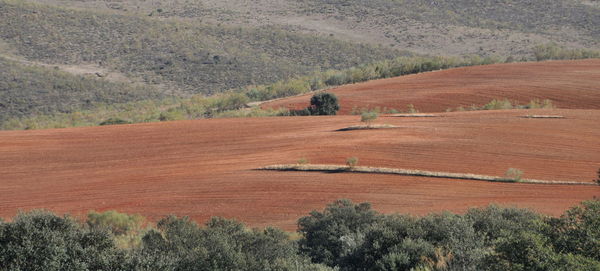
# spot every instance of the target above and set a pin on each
(27, 90)
(569, 84)
(185, 56)
(435, 27)
(205, 168)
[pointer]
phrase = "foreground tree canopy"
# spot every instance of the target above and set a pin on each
(343, 236)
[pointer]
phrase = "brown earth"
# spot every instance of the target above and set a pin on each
(569, 84)
(207, 168)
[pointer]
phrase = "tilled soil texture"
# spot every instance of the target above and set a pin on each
(568, 84)
(207, 168)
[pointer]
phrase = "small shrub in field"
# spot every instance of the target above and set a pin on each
(351, 162)
(536, 103)
(368, 117)
(514, 174)
(598, 180)
(412, 109)
(302, 161)
(498, 104)
(547, 104)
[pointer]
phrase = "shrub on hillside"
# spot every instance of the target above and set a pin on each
(324, 103)
(114, 121)
(554, 51)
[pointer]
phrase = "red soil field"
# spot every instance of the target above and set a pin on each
(569, 84)
(207, 168)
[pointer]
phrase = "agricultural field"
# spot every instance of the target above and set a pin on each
(568, 84)
(204, 168)
(437, 135)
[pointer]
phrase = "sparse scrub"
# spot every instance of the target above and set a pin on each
(553, 51)
(498, 105)
(302, 161)
(505, 104)
(193, 57)
(27, 90)
(514, 174)
(411, 109)
(368, 117)
(352, 162)
(543, 104)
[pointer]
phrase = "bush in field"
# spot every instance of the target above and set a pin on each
(411, 109)
(536, 103)
(514, 174)
(598, 179)
(368, 117)
(324, 103)
(498, 104)
(302, 161)
(351, 162)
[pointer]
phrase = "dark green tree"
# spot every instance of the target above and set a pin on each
(40, 240)
(331, 236)
(324, 103)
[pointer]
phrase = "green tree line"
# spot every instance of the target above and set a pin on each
(343, 236)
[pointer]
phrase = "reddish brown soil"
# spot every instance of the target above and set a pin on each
(207, 167)
(569, 84)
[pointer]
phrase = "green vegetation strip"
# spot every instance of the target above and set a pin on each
(412, 172)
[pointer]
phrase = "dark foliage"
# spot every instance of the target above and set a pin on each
(114, 121)
(324, 103)
(344, 236)
(42, 241)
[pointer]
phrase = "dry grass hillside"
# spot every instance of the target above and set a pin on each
(434, 27)
(195, 58)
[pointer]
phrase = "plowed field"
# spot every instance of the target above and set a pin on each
(569, 84)
(205, 168)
